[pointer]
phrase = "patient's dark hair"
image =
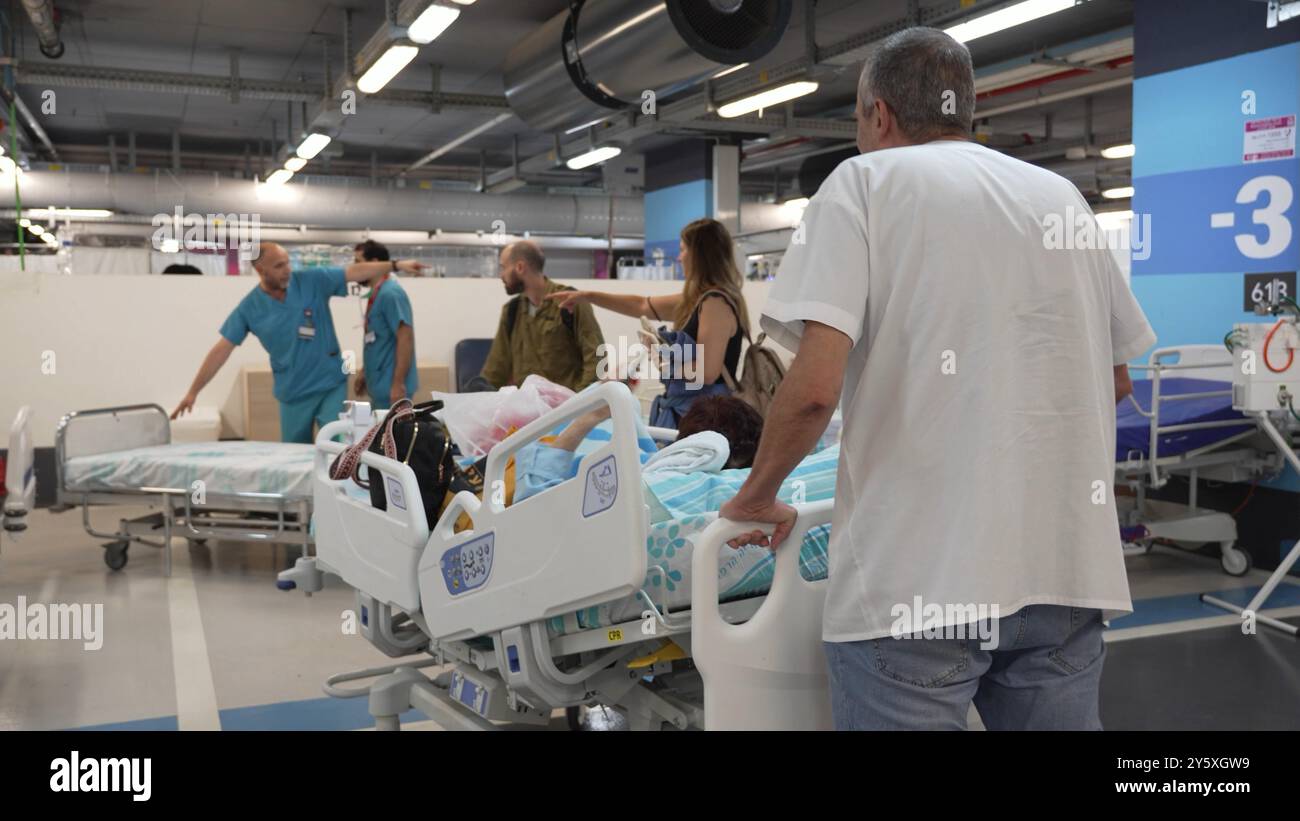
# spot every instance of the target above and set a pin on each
(733, 418)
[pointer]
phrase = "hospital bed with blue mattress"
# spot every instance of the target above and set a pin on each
(580, 595)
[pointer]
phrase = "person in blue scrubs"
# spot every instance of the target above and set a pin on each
(289, 313)
(389, 373)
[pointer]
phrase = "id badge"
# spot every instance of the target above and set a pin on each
(370, 337)
(306, 332)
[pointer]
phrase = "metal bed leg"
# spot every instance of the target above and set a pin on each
(1280, 573)
(167, 536)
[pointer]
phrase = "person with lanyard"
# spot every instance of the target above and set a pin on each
(389, 373)
(710, 315)
(289, 313)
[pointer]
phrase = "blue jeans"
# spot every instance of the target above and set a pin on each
(1044, 674)
(297, 417)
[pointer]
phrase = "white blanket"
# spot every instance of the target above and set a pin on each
(707, 451)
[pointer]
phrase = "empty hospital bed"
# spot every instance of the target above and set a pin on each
(569, 598)
(243, 491)
(1180, 421)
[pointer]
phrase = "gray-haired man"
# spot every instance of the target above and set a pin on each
(979, 370)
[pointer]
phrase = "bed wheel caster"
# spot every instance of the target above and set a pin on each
(285, 584)
(115, 554)
(1236, 562)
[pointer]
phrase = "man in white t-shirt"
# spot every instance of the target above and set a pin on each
(974, 547)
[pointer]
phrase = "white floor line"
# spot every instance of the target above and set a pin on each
(196, 694)
(1189, 625)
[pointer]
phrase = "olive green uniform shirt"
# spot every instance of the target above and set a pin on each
(542, 343)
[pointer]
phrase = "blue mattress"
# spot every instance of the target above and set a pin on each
(1133, 430)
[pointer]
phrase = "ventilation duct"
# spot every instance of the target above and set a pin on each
(601, 55)
(42, 15)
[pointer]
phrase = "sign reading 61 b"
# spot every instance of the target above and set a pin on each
(1219, 220)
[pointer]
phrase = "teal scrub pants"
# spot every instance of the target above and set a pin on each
(297, 417)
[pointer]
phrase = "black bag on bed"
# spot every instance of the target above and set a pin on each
(419, 440)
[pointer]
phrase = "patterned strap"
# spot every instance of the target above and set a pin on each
(348, 463)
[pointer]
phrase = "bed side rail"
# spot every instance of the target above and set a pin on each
(572, 546)
(20, 473)
(375, 551)
(768, 673)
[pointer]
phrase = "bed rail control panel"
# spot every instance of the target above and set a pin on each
(467, 566)
(1266, 370)
(481, 694)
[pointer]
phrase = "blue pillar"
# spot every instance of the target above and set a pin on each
(678, 189)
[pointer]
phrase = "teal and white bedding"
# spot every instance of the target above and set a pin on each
(688, 504)
(223, 467)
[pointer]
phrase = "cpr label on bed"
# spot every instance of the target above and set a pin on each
(58, 622)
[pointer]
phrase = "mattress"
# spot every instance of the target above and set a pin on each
(692, 501)
(224, 467)
(1133, 430)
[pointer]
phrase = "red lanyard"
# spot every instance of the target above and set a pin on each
(374, 292)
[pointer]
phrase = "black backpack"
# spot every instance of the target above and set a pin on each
(412, 435)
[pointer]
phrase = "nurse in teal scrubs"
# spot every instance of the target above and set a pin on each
(389, 374)
(289, 314)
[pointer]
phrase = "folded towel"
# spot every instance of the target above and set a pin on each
(706, 451)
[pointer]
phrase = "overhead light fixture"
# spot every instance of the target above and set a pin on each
(464, 2)
(1119, 152)
(729, 70)
(8, 166)
(432, 22)
(766, 99)
(313, 145)
(1006, 18)
(295, 164)
(36, 229)
(1113, 219)
(1121, 193)
(279, 177)
(170, 246)
(797, 202)
(593, 157)
(387, 67)
(24, 222)
(50, 239)
(71, 213)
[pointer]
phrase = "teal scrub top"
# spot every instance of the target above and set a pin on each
(390, 309)
(298, 333)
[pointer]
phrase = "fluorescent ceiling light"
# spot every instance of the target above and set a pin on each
(767, 99)
(8, 166)
(170, 246)
(1118, 152)
(1113, 219)
(1006, 18)
(1123, 192)
(24, 222)
(594, 157)
(36, 229)
(727, 71)
(295, 164)
(313, 145)
(797, 202)
(432, 22)
(71, 213)
(279, 177)
(49, 239)
(464, 2)
(386, 67)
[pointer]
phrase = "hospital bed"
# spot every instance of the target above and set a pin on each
(123, 456)
(1180, 421)
(552, 602)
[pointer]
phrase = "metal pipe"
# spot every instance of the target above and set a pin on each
(41, 13)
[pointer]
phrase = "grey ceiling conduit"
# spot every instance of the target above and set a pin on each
(41, 13)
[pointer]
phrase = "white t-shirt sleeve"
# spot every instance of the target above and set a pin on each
(823, 276)
(1130, 332)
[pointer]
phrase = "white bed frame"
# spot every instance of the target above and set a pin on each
(1235, 459)
(254, 517)
(750, 664)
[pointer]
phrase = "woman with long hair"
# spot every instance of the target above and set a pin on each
(710, 317)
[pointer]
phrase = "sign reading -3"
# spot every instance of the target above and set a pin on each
(1235, 218)
(1267, 289)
